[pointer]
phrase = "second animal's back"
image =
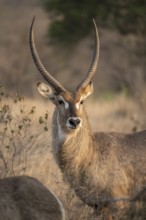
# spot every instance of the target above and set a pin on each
(26, 198)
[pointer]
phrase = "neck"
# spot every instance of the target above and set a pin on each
(72, 149)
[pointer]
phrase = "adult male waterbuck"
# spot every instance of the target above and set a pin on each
(101, 167)
(26, 198)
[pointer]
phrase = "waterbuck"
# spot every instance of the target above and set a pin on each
(26, 198)
(101, 167)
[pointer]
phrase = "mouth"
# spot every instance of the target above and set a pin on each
(73, 127)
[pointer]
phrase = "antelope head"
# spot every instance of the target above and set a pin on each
(69, 104)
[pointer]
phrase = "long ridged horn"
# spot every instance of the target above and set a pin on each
(55, 85)
(87, 79)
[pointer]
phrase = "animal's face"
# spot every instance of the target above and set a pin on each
(69, 105)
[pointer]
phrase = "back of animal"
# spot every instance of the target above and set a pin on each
(25, 198)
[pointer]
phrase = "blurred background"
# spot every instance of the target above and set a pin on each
(65, 42)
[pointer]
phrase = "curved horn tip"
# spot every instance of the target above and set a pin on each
(93, 19)
(32, 21)
(95, 59)
(94, 22)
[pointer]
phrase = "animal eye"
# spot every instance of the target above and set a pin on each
(60, 102)
(52, 98)
(81, 102)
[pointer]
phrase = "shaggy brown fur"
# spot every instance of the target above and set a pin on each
(102, 167)
(25, 198)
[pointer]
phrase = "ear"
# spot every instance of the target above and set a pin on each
(46, 91)
(87, 90)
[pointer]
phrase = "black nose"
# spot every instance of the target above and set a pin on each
(74, 122)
